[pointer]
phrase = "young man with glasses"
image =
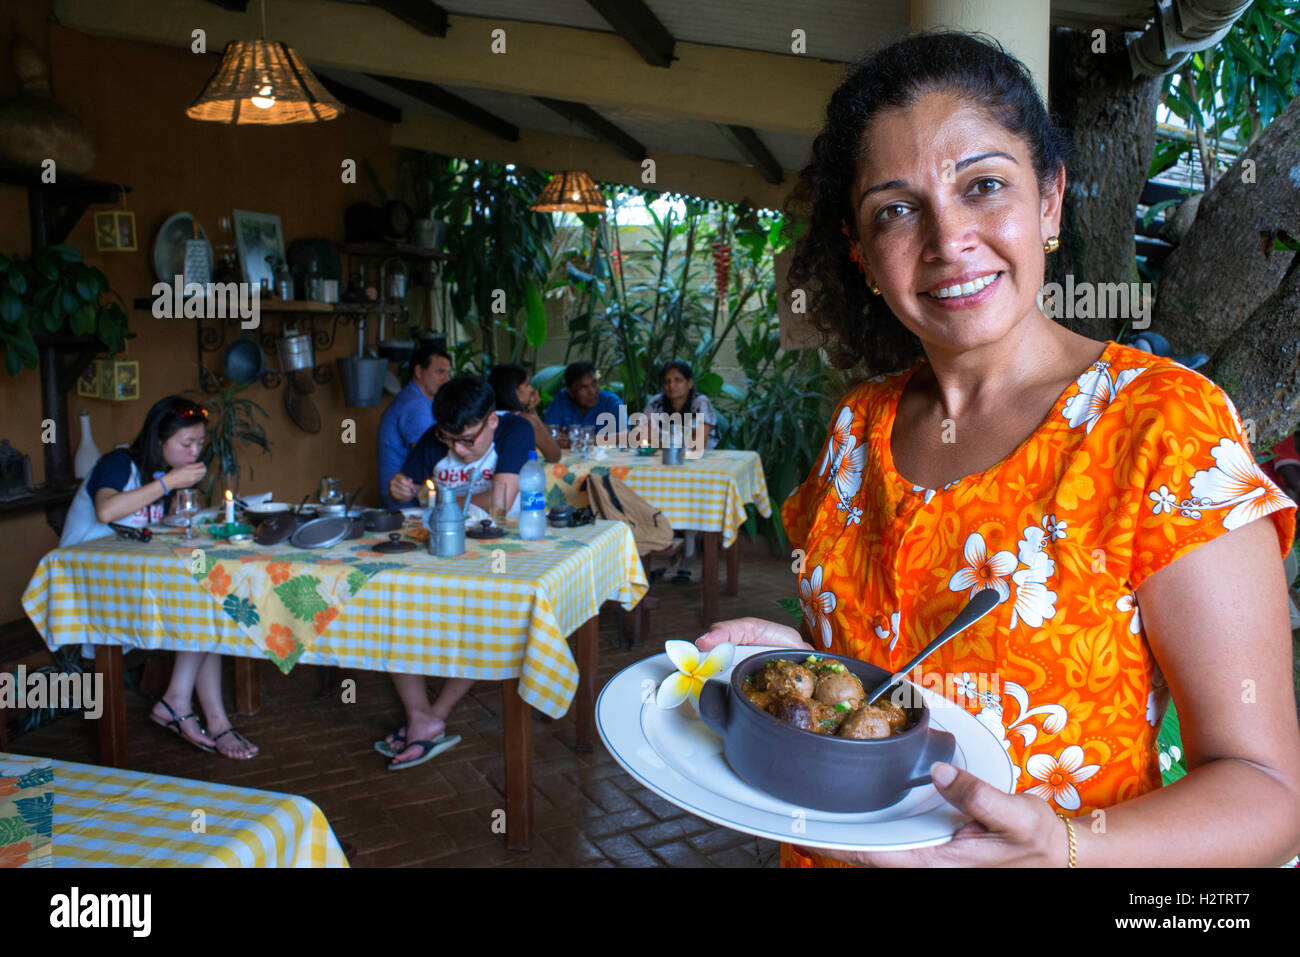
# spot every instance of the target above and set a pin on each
(471, 436)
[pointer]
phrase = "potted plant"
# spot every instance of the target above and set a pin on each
(54, 292)
(232, 425)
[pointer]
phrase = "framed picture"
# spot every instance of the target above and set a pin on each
(115, 231)
(259, 240)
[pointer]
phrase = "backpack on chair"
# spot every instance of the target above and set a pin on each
(612, 499)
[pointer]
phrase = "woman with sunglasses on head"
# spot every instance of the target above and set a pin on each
(518, 395)
(133, 486)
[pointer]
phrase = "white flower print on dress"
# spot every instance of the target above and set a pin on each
(1236, 482)
(883, 633)
(1096, 391)
(1129, 603)
(1164, 500)
(1053, 528)
(1153, 709)
(1034, 602)
(855, 516)
(929, 493)
(966, 687)
(1059, 775)
(817, 605)
(838, 438)
(844, 458)
(983, 570)
(990, 715)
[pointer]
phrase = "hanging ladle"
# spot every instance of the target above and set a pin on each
(979, 606)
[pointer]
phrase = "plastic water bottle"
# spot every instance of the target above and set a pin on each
(532, 499)
(448, 539)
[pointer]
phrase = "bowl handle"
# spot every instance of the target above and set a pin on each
(939, 746)
(715, 706)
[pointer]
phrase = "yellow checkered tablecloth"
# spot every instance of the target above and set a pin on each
(107, 817)
(708, 494)
(502, 610)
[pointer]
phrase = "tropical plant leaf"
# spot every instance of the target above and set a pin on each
(301, 598)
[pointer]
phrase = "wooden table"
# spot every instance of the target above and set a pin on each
(118, 595)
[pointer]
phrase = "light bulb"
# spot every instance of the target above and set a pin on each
(265, 98)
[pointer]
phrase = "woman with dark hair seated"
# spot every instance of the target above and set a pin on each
(678, 395)
(516, 394)
(133, 486)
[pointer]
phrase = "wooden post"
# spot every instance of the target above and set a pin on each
(248, 686)
(112, 723)
(710, 548)
(584, 703)
(518, 718)
(733, 568)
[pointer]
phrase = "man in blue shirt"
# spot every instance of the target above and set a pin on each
(410, 414)
(471, 442)
(583, 402)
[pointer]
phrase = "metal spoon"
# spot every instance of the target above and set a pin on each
(298, 510)
(979, 606)
(347, 509)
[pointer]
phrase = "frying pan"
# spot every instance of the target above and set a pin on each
(321, 532)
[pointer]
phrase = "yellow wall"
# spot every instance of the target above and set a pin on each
(133, 96)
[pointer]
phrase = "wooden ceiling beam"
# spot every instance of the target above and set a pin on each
(360, 100)
(636, 24)
(597, 126)
(748, 145)
(425, 15)
(450, 103)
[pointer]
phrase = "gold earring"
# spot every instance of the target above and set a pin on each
(1052, 245)
(874, 288)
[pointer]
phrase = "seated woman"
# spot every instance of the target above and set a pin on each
(132, 486)
(1107, 496)
(516, 394)
(678, 395)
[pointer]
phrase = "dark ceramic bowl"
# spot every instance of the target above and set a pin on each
(814, 770)
(383, 520)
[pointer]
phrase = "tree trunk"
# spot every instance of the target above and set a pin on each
(1110, 118)
(1219, 275)
(1260, 366)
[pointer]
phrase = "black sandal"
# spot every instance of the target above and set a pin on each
(682, 577)
(242, 740)
(174, 726)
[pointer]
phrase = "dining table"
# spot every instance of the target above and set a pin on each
(707, 492)
(504, 610)
(63, 814)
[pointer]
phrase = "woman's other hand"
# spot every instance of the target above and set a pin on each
(401, 488)
(185, 476)
(751, 631)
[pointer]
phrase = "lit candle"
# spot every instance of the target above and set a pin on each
(230, 508)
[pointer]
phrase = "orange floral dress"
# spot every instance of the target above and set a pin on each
(1140, 461)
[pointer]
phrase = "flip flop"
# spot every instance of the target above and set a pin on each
(242, 740)
(682, 577)
(387, 750)
(428, 750)
(174, 726)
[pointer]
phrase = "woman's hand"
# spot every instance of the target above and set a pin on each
(185, 476)
(401, 488)
(1005, 830)
(751, 631)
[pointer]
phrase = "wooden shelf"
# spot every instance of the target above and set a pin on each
(400, 250)
(43, 497)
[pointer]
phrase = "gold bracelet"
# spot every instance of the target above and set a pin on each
(1069, 828)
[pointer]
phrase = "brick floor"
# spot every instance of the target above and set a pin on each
(587, 811)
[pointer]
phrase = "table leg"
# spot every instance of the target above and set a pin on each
(584, 704)
(519, 767)
(112, 722)
(733, 568)
(710, 558)
(248, 686)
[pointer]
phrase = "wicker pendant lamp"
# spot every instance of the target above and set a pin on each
(571, 191)
(263, 83)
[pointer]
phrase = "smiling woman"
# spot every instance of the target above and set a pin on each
(1108, 497)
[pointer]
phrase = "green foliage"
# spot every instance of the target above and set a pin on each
(301, 598)
(497, 243)
(232, 425)
(54, 292)
(1237, 88)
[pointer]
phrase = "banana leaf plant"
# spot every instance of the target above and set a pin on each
(232, 426)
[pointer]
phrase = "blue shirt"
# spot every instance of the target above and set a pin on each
(564, 412)
(431, 459)
(407, 417)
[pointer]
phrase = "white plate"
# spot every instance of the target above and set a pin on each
(677, 757)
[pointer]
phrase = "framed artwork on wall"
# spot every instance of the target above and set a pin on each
(259, 240)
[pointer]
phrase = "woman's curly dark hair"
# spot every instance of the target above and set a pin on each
(860, 327)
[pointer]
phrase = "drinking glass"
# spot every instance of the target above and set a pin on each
(575, 435)
(498, 509)
(187, 504)
(331, 491)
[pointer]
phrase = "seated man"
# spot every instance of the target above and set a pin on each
(410, 414)
(583, 402)
(469, 436)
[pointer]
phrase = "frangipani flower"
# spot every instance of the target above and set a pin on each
(693, 669)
